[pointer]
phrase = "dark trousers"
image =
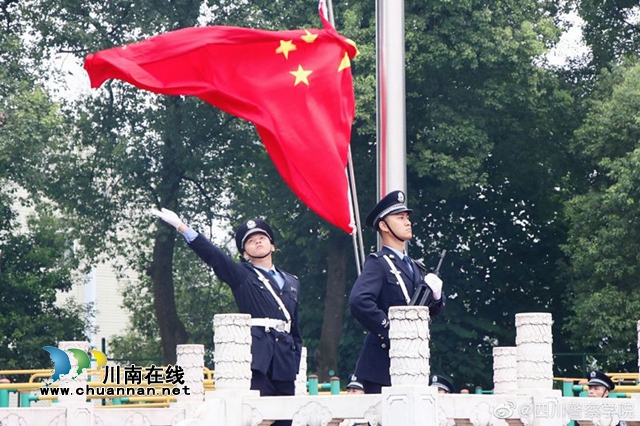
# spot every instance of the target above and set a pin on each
(371, 387)
(268, 387)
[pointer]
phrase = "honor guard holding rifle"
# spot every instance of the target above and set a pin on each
(267, 293)
(389, 278)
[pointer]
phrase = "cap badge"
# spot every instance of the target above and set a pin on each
(435, 379)
(593, 374)
(401, 197)
(251, 224)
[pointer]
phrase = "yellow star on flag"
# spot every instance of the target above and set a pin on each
(353, 43)
(286, 46)
(301, 75)
(345, 63)
(309, 37)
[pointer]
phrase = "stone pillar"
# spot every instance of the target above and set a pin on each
(535, 370)
(505, 369)
(191, 359)
(534, 353)
(409, 345)
(75, 402)
(409, 400)
(232, 356)
(301, 378)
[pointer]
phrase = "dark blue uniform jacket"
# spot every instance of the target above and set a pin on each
(374, 292)
(252, 297)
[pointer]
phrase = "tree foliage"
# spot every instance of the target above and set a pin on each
(34, 267)
(37, 259)
(603, 241)
(611, 29)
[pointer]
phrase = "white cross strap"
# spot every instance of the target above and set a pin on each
(395, 272)
(267, 284)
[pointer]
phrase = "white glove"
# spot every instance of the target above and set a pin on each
(168, 216)
(435, 284)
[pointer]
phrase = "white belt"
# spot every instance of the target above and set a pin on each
(268, 323)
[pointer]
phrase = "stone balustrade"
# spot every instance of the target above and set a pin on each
(523, 389)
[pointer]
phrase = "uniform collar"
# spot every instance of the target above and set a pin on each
(400, 254)
(273, 268)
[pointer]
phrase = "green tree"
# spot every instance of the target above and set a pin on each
(603, 238)
(34, 267)
(37, 260)
(610, 29)
(487, 127)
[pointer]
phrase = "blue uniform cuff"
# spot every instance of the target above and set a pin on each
(190, 234)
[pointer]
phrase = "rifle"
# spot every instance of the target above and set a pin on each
(422, 293)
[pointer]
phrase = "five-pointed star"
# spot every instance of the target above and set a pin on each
(301, 75)
(309, 37)
(286, 46)
(345, 63)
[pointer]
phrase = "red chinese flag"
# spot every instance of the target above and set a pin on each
(295, 86)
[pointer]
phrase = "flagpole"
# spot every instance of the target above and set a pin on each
(358, 242)
(357, 235)
(390, 95)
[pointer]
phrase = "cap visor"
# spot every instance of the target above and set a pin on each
(254, 231)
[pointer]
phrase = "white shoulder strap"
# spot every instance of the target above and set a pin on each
(395, 272)
(267, 284)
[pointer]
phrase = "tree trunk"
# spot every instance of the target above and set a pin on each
(172, 331)
(327, 351)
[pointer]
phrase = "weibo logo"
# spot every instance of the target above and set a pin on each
(62, 361)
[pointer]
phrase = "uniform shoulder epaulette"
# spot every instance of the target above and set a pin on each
(421, 265)
(378, 253)
(290, 274)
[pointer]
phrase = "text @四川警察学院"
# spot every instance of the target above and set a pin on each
(572, 408)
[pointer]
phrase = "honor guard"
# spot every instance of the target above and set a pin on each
(600, 385)
(354, 387)
(443, 384)
(267, 293)
(389, 278)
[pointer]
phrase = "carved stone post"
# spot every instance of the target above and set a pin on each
(232, 357)
(75, 402)
(505, 369)
(410, 400)
(301, 378)
(535, 369)
(191, 359)
(232, 342)
(409, 345)
(535, 356)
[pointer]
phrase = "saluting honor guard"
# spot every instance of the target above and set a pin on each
(271, 296)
